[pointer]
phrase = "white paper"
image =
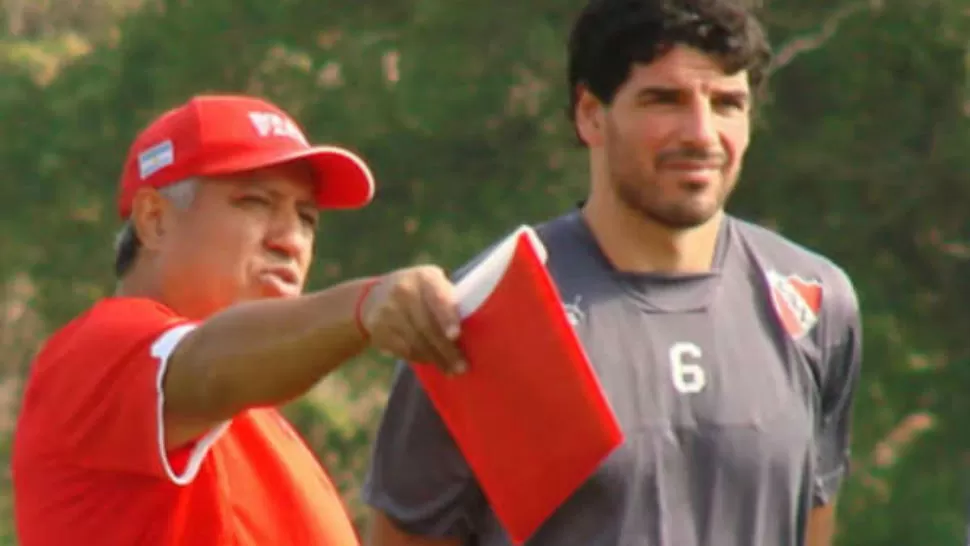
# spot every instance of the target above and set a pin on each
(479, 283)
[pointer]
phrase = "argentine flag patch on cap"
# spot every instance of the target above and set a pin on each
(155, 159)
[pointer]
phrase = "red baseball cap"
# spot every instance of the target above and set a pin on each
(215, 135)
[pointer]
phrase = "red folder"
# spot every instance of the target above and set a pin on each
(529, 415)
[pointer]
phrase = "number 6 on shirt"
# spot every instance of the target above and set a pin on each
(688, 377)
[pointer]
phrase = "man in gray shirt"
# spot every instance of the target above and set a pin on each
(729, 354)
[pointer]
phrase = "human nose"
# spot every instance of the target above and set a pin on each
(699, 127)
(289, 236)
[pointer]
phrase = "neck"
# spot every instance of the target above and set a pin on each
(135, 285)
(635, 243)
(141, 282)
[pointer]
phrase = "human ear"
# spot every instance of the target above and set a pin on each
(150, 217)
(590, 118)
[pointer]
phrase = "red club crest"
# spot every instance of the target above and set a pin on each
(797, 302)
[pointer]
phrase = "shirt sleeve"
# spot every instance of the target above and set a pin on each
(418, 477)
(104, 399)
(844, 362)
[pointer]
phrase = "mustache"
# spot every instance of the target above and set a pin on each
(699, 155)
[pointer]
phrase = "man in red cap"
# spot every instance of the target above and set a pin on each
(149, 419)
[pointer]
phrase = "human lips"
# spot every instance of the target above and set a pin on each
(285, 274)
(693, 165)
(692, 160)
(695, 171)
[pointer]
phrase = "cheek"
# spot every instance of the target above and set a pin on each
(654, 135)
(306, 257)
(237, 247)
(637, 140)
(217, 250)
(734, 139)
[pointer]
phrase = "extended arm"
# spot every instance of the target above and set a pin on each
(267, 352)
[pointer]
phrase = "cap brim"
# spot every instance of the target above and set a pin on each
(343, 180)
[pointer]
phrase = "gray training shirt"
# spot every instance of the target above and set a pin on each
(733, 389)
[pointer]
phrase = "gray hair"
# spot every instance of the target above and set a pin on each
(180, 194)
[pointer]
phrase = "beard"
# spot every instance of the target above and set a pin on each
(693, 209)
(674, 204)
(660, 198)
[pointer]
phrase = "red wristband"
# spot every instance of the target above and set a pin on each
(358, 319)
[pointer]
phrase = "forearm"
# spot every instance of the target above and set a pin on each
(262, 353)
(821, 526)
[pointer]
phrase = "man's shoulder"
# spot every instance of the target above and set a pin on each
(778, 251)
(128, 309)
(549, 231)
(790, 263)
(561, 229)
(111, 324)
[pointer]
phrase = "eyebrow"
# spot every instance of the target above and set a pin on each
(656, 91)
(308, 203)
(251, 185)
(662, 92)
(740, 96)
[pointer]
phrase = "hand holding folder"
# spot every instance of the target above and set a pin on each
(529, 416)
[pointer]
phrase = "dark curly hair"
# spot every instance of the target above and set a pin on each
(611, 35)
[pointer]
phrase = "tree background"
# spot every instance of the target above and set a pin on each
(860, 153)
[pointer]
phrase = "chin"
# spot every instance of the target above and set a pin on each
(681, 217)
(681, 222)
(686, 210)
(275, 292)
